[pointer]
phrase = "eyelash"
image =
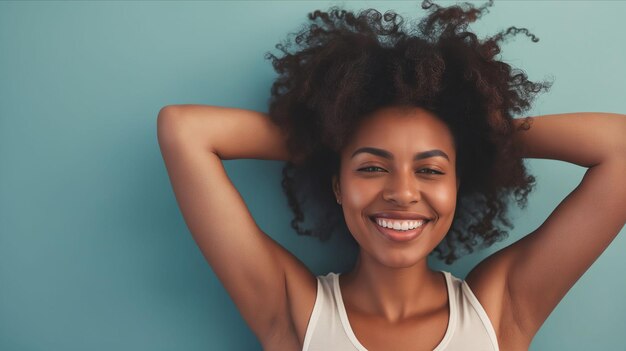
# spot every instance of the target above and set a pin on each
(430, 169)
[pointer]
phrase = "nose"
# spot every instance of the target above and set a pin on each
(403, 189)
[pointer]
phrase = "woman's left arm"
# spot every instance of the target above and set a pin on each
(584, 138)
(546, 263)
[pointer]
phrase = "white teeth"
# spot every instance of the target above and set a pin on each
(400, 225)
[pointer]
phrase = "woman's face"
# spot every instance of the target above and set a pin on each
(370, 183)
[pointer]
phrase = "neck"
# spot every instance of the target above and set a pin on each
(391, 293)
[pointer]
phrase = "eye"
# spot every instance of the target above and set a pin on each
(370, 167)
(430, 170)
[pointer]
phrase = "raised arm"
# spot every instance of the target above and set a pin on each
(544, 265)
(230, 133)
(194, 139)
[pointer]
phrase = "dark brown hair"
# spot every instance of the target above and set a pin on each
(344, 66)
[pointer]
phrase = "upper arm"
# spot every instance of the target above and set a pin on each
(546, 263)
(250, 264)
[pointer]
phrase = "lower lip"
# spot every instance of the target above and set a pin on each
(400, 236)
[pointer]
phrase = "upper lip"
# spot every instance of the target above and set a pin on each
(400, 215)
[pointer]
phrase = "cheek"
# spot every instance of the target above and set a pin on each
(443, 201)
(358, 193)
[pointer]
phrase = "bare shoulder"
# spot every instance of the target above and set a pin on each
(488, 282)
(301, 287)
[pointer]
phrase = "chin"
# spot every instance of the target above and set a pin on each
(400, 258)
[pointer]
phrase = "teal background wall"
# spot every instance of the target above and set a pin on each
(94, 253)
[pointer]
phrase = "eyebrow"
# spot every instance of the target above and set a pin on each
(388, 155)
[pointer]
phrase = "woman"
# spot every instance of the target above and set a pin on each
(412, 136)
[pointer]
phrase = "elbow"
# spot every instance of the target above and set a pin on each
(166, 111)
(166, 122)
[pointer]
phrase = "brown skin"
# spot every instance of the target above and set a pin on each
(518, 286)
(392, 280)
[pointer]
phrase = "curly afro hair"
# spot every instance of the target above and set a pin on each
(350, 65)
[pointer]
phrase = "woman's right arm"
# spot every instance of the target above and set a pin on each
(230, 133)
(254, 269)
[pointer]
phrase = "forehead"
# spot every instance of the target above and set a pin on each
(403, 129)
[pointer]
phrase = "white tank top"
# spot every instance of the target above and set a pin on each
(469, 328)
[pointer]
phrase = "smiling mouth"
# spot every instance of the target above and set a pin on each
(399, 236)
(373, 220)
